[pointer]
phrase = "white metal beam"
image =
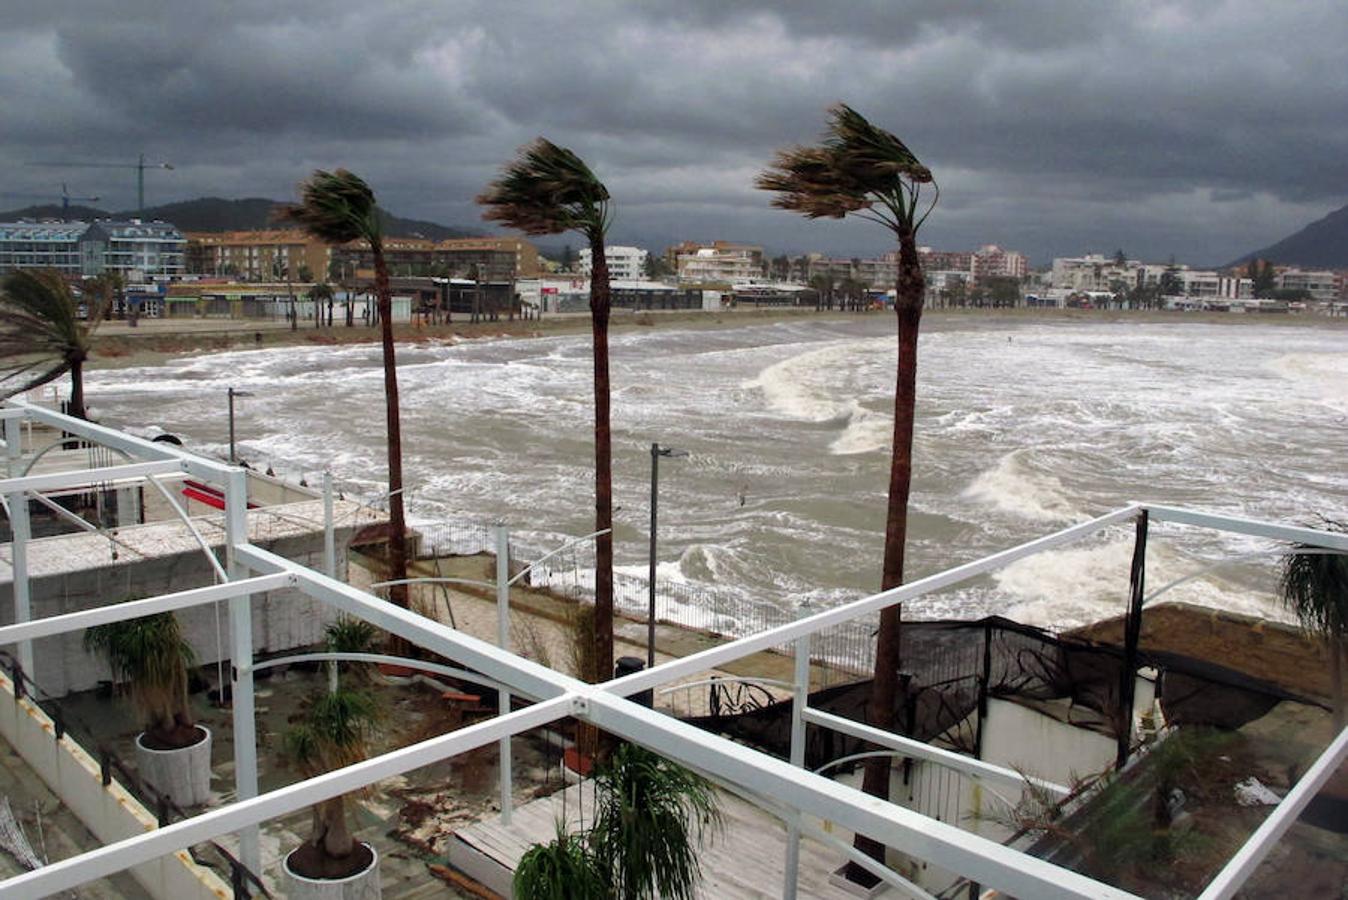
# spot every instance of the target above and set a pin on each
(524, 676)
(83, 478)
(134, 609)
(66, 874)
(717, 657)
(1241, 866)
(197, 466)
(947, 846)
(1292, 533)
(967, 765)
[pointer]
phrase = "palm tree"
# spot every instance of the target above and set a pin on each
(152, 657)
(336, 732)
(865, 171)
(41, 334)
(564, 869)
(1314, 585)
(548, 189)
(650, 818)
(338, 207)
(317, 294)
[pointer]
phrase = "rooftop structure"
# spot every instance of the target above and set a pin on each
(788, 791)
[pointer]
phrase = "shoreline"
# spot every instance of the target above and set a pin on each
(156, 340)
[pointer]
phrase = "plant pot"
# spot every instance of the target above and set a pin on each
(576, 767)
(364, 885)
(396, 674)
(183, 775)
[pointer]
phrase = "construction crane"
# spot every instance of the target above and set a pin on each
(140, 166)
(65, 199)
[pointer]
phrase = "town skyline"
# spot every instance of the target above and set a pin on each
(1162, 129)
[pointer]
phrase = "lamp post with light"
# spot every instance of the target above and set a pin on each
(656, 452)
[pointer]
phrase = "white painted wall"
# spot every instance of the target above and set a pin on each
(110, 813)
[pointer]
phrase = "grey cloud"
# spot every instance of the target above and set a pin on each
(1053, 127)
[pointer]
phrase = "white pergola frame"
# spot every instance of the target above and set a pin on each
(783, 785)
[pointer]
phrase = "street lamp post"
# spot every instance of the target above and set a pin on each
(656, 452)
(232, 394)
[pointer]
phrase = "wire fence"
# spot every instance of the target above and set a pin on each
(843, 652)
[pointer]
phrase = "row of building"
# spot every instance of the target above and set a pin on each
(1095, 273)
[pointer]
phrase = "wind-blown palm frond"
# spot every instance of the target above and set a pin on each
(41, 334)
(856, 166)
(335, 207)
(1314, 585)
(547, 190)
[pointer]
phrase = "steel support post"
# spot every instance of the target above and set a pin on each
(329, 529)
(13, 445)
(800, 696)
(1132, 631)
(241, 662)
(504, 754)
(21, 528)
(650, 579)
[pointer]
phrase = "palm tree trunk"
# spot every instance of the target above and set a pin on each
(77, 388)
(397, 544)
(884, 686)
(603, 463)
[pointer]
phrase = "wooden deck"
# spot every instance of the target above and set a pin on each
(744, 861)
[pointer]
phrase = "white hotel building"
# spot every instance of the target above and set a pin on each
(624, 263)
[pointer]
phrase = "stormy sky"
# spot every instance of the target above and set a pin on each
(1194, 129)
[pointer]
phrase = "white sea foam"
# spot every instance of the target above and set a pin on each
(1012, 486)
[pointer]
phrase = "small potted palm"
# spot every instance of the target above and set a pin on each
(152, 658)
(332, 864)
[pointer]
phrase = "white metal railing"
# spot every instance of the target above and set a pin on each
(790, 786)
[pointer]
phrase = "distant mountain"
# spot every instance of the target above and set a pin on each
(1320, 245)
(219, 214)
(53, 211)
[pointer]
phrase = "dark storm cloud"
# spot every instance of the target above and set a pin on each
(1200, 129)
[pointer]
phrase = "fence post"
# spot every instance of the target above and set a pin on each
(983, 681)
(800, 696)
(1132, 631)
(503, 641)
(329, 532)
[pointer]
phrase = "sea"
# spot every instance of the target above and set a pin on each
(1024, 426)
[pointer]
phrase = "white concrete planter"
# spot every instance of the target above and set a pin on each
(184, 775)
(361, 886)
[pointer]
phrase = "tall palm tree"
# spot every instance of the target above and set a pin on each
(338, 207)
(548, 189)
(41, 334)
(1314, 584)
(865, 171)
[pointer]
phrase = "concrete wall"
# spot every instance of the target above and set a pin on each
(110, 813)
(282, 619)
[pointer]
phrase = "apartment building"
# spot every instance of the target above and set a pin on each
(130, 248)
(495, 258)
(991, 261)
(267, 255)
(719, 261)
(624, 263)
(1322, 285)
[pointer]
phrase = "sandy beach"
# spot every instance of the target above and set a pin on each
(153, 340)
